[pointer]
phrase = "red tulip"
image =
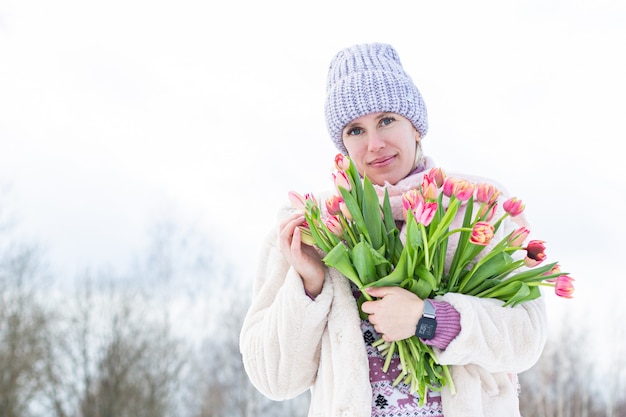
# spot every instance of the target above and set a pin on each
(535, 253)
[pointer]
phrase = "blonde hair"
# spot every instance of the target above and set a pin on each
(419, 156)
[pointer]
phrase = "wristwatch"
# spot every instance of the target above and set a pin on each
(428, 322)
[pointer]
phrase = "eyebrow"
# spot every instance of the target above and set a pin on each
(378, 117)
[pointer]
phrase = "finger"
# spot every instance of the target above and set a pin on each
(296, 240)
(367, 307)
(378, 292)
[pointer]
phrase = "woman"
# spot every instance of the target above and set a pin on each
(303, 330)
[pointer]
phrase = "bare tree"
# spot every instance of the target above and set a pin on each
(24, 329)
(118, 357)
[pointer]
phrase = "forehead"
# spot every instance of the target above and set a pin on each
(372, 118)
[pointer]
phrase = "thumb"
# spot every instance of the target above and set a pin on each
(378, 292)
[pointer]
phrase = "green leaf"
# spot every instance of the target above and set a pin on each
(491, 267)
(396, 276)
(425, 275)
(371, 213)
(523, 291)
(419, 287)
(355, 211)
(363, 262)
(339, 259)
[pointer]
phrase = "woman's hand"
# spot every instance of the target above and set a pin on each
(304, 258)
(396, 312)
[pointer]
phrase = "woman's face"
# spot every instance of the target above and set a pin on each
(382, 146)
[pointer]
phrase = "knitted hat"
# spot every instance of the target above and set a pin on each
(369, 78)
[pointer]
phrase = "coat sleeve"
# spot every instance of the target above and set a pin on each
(496, 338)
(281, 334)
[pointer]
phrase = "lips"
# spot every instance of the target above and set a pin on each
(382, 161)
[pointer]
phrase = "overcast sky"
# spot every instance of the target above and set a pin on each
(116, 114)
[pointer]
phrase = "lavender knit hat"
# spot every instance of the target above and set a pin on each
(369, 78)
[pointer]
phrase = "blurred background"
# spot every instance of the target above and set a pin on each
(145, 148)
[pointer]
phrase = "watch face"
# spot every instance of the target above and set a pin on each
(426, 328)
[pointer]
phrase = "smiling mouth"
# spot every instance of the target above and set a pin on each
(383, 161)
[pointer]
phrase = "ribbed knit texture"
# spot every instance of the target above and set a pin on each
(369, 78)
(448, 325)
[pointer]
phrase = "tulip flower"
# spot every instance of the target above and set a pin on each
(344, 210)
(334, 225)
(482, 233)
(438, 176)
(513, 206)
(429, 188)
(332, 204)
(342, 162)
(411, 199)
(535, 253)
(487, 193)
(519, 237)
(424, 212)
(463, 189)
(564, 286)
(448, 186)
(297, 200)
(340, 179)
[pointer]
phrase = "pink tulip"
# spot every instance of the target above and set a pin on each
(463, 190)
(411, 199)
(332, 204)
(482, 233)
(340, 179)
(519, 237)
(486, 193)
(564, 286)
(556, 269)
(513, 206)
(535, 253)
(345, 211)
(424, 212)
(297, 200)
(448, 186)
(429, 188)
(334, 225)
(438, 176)
(342, 163)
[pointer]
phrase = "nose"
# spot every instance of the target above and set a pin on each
(375, 142)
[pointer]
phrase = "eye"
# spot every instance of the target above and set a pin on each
(386, 121)
(355, 131)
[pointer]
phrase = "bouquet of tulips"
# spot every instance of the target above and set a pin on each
(359, 237)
